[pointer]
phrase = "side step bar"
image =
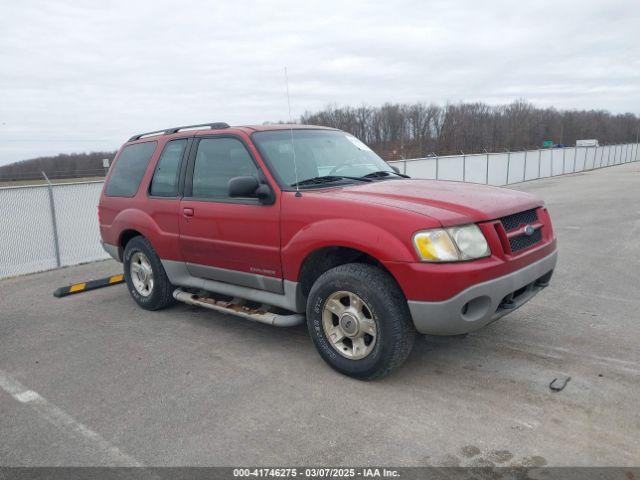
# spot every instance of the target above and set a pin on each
(235, 307)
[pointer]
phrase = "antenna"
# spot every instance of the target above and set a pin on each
(293, 148)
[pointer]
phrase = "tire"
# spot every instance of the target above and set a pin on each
(160, 294)
(391, 342)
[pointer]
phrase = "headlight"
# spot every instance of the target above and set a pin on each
(451, 244)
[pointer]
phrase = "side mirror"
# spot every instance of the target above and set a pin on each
(394, 168)
(242, 186)
(250, 187)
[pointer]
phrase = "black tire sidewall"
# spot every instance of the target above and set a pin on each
(385, 309)
(154, 301)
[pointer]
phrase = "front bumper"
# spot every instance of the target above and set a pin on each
(483, 303)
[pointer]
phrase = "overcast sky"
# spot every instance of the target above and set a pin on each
(79, 76)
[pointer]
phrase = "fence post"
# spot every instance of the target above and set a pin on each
(437, 166)
(563, 159)
(54, 221)
(508, 165)
(524, 170)
(486, 175)
(539, 161)
(464, 166)
(615, 152)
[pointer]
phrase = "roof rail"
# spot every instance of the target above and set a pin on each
(168, 131)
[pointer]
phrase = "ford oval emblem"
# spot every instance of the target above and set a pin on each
(529, 230)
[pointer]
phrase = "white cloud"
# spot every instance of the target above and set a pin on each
(80, 76)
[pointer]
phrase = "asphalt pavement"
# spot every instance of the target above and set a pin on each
(92, 379)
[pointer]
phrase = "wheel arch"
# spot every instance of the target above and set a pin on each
(131, 223)
(125, 237)
(325, 258)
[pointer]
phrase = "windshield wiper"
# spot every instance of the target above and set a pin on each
(327, 179)
(383, 174)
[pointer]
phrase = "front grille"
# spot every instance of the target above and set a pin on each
(524, 241)
(512, 222)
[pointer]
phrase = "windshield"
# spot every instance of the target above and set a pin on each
(318, 153)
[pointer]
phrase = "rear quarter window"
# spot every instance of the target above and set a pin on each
(165, 179)
(129, 169)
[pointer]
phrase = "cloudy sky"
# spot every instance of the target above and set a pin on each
(84, 75)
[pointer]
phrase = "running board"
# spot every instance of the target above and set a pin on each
(236, 307)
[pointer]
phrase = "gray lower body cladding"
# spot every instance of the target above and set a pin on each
(465, 312)
(112, 250)
(483, 303)
(257, 288)
(291, 297)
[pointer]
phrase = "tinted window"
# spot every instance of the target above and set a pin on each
(217, 161)
(165, 179)
(129, 169)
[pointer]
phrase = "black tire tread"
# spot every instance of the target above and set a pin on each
(389, 294)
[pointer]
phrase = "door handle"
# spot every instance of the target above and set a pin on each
(188, 212)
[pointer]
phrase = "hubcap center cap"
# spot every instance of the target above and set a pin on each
(349, 324)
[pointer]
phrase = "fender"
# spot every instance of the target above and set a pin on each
(366, 237)
(166, 244)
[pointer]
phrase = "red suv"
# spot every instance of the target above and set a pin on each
(287, 224)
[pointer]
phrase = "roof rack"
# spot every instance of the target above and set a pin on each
(168, 131)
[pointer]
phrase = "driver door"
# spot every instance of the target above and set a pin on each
(231, 240)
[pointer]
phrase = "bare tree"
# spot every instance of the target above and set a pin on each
(415, 130)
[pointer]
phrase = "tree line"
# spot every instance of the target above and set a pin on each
(72, 165)
(396, 130)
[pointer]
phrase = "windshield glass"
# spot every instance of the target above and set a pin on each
(317, 153)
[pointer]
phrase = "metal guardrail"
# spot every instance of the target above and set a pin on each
(53, 225)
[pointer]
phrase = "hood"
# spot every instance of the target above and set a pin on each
(451, 203)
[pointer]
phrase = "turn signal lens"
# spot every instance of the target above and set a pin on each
(451, 244)
(435, 246)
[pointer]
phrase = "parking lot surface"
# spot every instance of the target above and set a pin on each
(92, 379)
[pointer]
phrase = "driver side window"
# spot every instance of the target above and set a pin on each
(217, 161)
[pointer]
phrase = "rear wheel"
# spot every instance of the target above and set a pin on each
(145, 276)
(359, 321)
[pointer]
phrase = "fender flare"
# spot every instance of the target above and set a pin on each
(132, 219)
(375, 241)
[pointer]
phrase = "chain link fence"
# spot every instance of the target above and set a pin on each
(48, 226)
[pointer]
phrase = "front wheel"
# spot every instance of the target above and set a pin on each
(359, 321)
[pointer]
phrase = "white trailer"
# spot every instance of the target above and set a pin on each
(591, 142)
